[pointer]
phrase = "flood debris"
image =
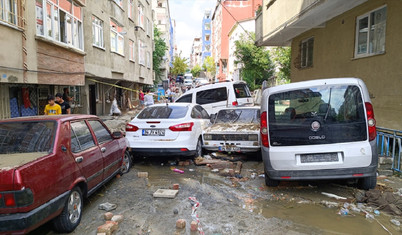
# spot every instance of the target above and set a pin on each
(178, 171)
(195, 205)
(107, 206)
(165, 193)
(176, 186)
(108, 215)
(331, 195)
(108, 228)
(180, 223)
(142, 174)
(386, 201)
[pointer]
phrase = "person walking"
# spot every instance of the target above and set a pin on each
(149, 98)
(66, 95)
(65, 107)
(52, 108)
(141, 98)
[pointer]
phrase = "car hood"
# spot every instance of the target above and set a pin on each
(231, 127)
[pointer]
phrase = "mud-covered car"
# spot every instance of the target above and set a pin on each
(48, 164)
(234, 130)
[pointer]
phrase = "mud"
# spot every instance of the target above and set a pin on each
(9, 161)
(226, 127)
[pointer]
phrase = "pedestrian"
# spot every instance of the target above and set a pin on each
(52, 108)
(66, 95)
(168, 94)
(65, 107)
(141, 98)
(149, 98)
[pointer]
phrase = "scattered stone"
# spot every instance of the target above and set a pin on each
(215, 170)
(100, 233)
(108, 215)
(187, 163)
(107, 206)
(360, 196)
(176, 186)
(181, 163)
(191, 169)
(118, 218)
(238, 168)
(396, 222)
(175, 211)
(329, 204)
(165, 193)
(142, 174)
(108, 228)
(180, 223)
(194, 226)
(227, 172)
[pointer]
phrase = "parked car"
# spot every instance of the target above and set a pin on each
(179, 79)
(319, 129)
(188, 82)
(214, 97)
(234, 130)
(168, 129)
(200, 82)
(49, 163)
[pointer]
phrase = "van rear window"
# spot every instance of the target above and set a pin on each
(211, 96)
(241, 91)
(163, 112)
(318, 115)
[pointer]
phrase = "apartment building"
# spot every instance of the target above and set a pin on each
(196, 52)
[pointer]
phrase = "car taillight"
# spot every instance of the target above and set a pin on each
(19, 198)
(130, 127)
(370, 121)
(182, 127)
(9, 200)
(234, 103)
(264, 130)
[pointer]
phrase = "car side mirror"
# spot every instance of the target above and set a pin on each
(118, 134)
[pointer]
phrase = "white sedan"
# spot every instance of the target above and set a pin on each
(168, 129)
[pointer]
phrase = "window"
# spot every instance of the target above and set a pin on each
(141, 52)
(9, 11)
(75, 92)
(370, 33)
(116, 38)
(97, 31)
(211, 96)
(163, 112)
(207, 26)
(204, 113)
(307, 53)
(101, 133)
(131, 46)
(241, 91)
(207, 37)
(130, 9)
(185, 99)
(81, 137)
(141, 17)
(148, 59)
(119, 2)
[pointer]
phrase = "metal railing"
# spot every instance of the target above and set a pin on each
(389, 143)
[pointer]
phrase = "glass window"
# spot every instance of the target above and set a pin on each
(204, 113)
(163, 112)
(119, 2)
(370, 33)
(81, 137)
(27, 137)
(238, 116)
(148, 59)
(141, 17)
(195, 113)
(185, 99)
(97, 31)
(131, 48)
(9, 11)
(130, 9)
(241, 91)
(116, 38)
(101, 133)
(211, 96)
(141, 52)
(307, 52)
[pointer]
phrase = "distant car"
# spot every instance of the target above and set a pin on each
(168, 129)
(188, 82)
(48, 164)
(179, 79)
(234, 130)
(201, 82)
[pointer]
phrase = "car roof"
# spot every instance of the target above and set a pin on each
(61, 118)
(211, 86)
(316, 82)
(174, 105)
(244, 107)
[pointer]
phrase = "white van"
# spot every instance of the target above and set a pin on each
(319, 129)
(213, 97)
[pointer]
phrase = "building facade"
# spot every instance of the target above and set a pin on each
(224, 17)
(196, 53)
(206, 35)
(342, 38)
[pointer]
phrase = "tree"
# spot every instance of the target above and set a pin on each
(179, 65)
(255, 61)
(196, 71)
(209, 66)
(158, 54)
(281, 57)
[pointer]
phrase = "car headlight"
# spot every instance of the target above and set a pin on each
(252, 137)
(207, 137)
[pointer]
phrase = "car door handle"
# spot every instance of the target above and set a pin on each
(79, 159)
(103, 149)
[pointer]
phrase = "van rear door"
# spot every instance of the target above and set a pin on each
(242, 94)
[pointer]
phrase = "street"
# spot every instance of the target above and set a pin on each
(228, 205)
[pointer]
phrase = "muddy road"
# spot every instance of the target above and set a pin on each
(228, 205)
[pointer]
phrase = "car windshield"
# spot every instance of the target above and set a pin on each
(163, 112)
(238, 116)
(27, 137)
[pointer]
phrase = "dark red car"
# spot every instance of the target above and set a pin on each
(49, 163)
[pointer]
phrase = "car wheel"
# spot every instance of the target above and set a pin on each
(367, 182)
(71, 215)
(270, 182)
(125, 167)
(198, 149)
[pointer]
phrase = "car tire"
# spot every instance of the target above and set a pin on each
(198, 149)
(367, 182)
(127, 162)
(270, 182)
(71, 215)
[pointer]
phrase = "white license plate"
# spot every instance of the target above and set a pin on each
(229, 149)
(319, 157)
(153, 132)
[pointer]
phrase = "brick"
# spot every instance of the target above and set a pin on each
(180, 223)
(108, 215)
(385, 160)
(194, 226)
(118, 218)
(142, 174)
(108, 228)
(176, 186)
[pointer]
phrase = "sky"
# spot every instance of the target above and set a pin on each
(188, 15)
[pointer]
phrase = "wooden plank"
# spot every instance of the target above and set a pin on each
(166, 193)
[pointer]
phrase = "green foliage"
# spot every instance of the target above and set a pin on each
(158, 54)
(256, 63)
(209, 66)
(281, 57)
(179, 65)
(196, 71)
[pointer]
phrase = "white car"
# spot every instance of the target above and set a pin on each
(234, 130)
(168, 129)
(188, 82)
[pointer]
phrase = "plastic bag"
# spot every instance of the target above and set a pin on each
(114, 109)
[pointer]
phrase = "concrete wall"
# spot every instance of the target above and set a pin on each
(333, 56)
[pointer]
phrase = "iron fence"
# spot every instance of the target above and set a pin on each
(389, 143)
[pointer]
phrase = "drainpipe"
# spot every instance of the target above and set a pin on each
(24, 42)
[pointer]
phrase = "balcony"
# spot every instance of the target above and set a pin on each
(281, 21)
